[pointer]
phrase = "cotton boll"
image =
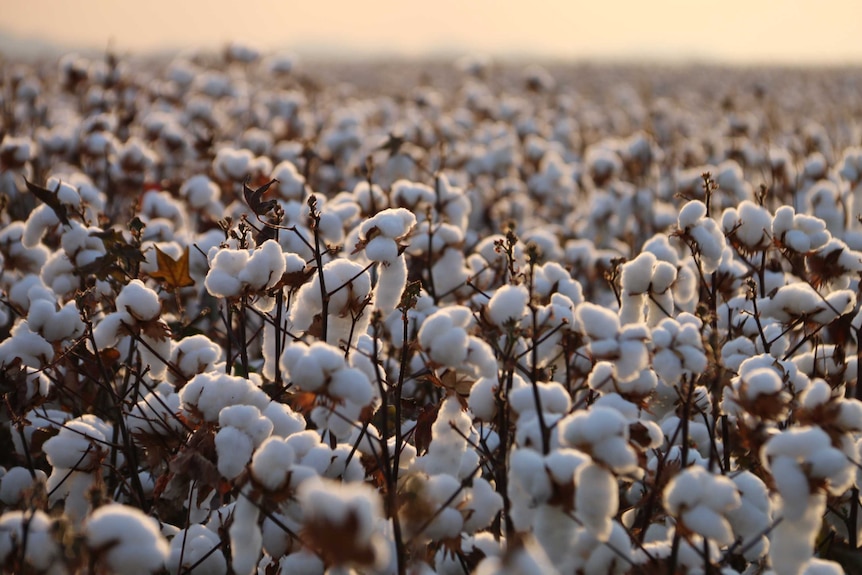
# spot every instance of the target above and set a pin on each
(271, 463)
(265, 266)
(792, 541)
(129, 542)
(223, 279)
(193, 546)
(596, 499)
(77, 446)
(285, 421)
(507, 304)
(443, 336)
(448, 443)
(597, 322)
(141, 302)
(381, 249)
(352, 510)
(17, 481)
(234, 449)
(29, 347)
(208, 393)
(246, 539)
(34, 531)
(691, 213)
(637, 273)
(482, 399)
(390, 285)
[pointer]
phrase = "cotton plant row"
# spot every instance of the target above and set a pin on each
(258, 324)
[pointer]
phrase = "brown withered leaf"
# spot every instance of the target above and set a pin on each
(155, 329)
(451, 381)
(173, 273)
(422, 435)
(254, 197)
(50, 199)
(303, 401)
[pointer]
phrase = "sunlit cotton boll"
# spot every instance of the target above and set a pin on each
(126, 540)
(699, 500)
(444, 337)
(507, 304)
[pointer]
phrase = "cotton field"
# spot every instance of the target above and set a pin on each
(261, 315)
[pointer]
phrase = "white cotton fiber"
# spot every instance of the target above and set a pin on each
(131, 540)
(141, 302)
(507, 304)
(194, 546)
(596, 499)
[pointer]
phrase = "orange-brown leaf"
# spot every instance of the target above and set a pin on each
(174, 274)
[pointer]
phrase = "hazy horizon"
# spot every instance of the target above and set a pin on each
(730, 31)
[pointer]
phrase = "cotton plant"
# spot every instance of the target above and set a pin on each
(137, 315)
(380, 240)
(603, 434)
(445, 338)
(700, 501)
(341, 391)
(623, 346)
(238, 272)
(645, 283)
(703, 233)
(805, 467)
(345, 287)
(77, 454)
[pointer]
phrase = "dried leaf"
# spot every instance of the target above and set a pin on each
(174, 274)
(393, 145)
(50, 199)
(253, 198)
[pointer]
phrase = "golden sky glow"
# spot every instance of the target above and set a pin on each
(786, 31)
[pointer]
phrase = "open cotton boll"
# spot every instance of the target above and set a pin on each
(597, 322)
(77, 446)
(792, 541)
(700, 499)
(449, 442)
(17, 481)
(690, 214)
(30, 535)
(508, 304)
(194, 547)
(246, 539)
(272, 462)
(750, 225)
(29, 347)
(553, 397)
(139, 301)
(443, 336)
(264, 268)
(199, 191)
(596, 499)
(637, 274)
(223, 278)
(195, 354)
(126, 540)
(291, 184)
(392, 223)
(342, 520)
(208, 393)
(603, 433)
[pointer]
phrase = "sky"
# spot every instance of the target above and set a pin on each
(734, 31)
